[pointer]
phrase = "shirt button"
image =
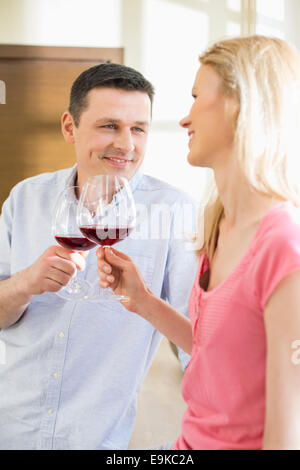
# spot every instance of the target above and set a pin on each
(50, 411)
(61, 335)
(55, 375)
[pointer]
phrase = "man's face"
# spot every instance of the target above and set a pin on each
(112, 133)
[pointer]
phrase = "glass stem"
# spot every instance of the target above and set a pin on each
(73, 286)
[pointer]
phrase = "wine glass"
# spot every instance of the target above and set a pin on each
(66, 232)
(106, 214)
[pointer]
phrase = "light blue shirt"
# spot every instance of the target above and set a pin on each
(70, 372)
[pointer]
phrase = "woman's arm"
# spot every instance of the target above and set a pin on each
(168, 321)
(118, 271)
(282, 320)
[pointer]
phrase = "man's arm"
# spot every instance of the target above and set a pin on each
(14, 299)
(282, 320)
(52, 270)
(49, 273)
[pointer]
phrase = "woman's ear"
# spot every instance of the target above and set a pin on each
(232, 110)
(235, 116)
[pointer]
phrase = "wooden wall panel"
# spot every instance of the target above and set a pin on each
(38, 82)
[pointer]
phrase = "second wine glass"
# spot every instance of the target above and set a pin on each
(67, 234)
(106, 215)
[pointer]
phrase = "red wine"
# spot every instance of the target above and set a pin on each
(75, 242)
(105, 235)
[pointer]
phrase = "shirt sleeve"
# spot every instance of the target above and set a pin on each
(181, 266)
(279, 256)
(5, 239)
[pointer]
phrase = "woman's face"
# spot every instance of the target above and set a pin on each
(211, 121)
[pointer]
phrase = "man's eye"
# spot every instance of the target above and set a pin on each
(108, 126)
(138, 129)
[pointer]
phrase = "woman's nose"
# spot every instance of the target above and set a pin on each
(184, 122)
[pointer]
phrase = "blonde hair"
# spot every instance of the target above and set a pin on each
(263, 74)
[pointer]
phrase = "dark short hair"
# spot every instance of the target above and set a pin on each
(105, 76)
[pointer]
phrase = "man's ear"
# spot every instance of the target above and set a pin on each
(67, 127)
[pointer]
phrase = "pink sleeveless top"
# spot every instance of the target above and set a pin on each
(224, 384)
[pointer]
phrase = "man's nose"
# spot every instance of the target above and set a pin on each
(124, 141)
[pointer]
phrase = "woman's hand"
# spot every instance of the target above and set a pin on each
(118, 271)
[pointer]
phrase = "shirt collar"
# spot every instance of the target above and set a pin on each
(71, 178)
(134, 181)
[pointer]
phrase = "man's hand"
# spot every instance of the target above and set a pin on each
(52, 270)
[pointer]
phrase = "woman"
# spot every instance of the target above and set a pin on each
(242, 384)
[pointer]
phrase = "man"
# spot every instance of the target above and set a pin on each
(72, 370)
